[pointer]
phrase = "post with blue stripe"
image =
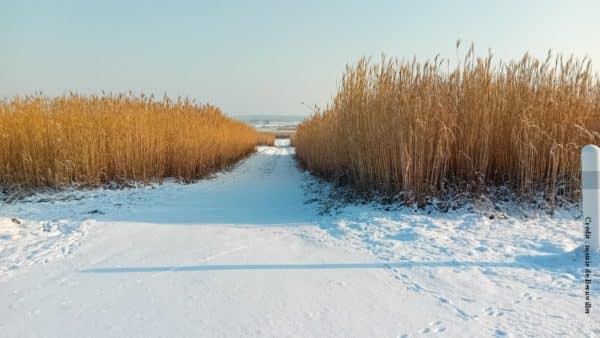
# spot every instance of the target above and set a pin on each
(590, 191)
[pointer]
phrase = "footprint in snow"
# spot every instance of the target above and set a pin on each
(433, 327)
(490, 311)
(562, 282)
(499, 333)
(456, 309)
(468, 300)
(530, 297)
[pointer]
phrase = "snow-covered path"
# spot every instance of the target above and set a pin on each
(244, 254)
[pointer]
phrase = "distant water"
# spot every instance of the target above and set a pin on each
(268, 119)
(272, 122)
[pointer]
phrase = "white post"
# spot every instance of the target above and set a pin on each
(590, 190)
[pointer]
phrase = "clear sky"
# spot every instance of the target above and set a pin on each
(262, 57)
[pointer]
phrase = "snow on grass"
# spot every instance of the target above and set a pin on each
(250, 253)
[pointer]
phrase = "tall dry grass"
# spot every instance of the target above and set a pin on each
(264, 138)
(425, 129)
(99, 139)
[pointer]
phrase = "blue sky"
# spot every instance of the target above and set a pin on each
(262, 57)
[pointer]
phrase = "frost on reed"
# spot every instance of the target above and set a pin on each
(421, 130)
(100, 139)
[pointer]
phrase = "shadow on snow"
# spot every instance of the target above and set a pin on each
(567, 262)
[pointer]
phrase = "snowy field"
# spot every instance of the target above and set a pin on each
(248, 253)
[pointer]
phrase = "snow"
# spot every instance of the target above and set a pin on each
(248, 253)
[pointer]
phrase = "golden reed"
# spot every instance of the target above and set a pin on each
(99, 139)
(424, 129)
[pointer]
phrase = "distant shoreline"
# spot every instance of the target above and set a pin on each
(262, 119)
